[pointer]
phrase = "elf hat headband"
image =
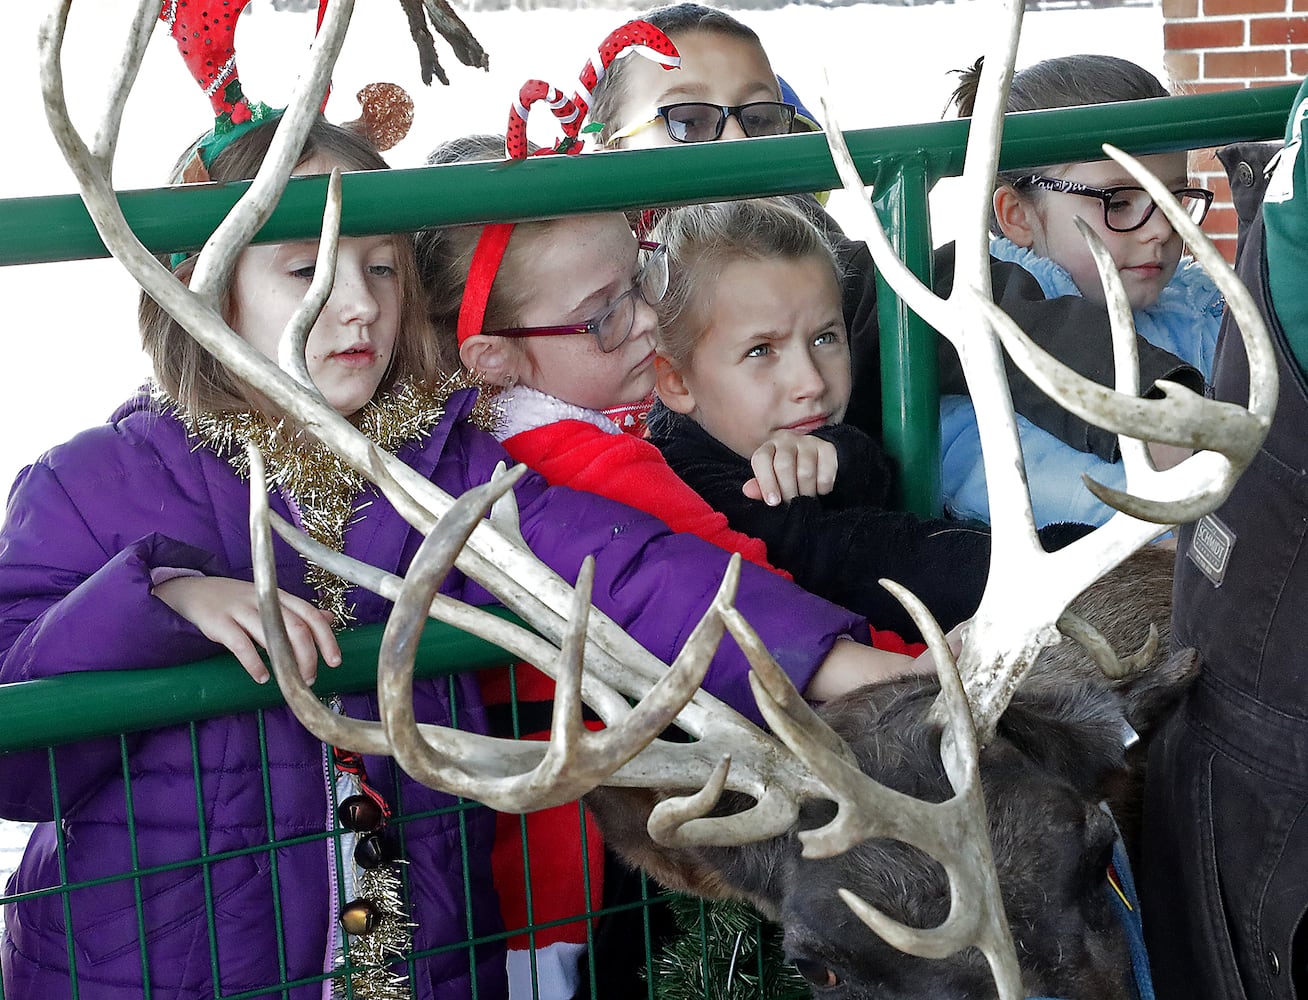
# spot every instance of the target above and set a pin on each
(639, 37)
(205, 33)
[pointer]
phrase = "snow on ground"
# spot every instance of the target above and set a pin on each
(71, 333)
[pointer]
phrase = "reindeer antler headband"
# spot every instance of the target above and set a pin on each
(205, 33)
(639, 37)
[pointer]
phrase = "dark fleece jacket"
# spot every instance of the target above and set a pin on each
(839, 545)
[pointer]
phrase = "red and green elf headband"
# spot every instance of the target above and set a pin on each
(639, 37)
(205, 32)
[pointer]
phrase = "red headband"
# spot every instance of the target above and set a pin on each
(485, 266)
(636, 36)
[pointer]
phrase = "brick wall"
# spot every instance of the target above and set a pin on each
(1226, 44)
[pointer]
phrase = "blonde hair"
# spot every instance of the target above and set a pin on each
(198, 380)
(703, 239)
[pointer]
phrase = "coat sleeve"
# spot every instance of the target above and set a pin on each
(1076, 332)
(68, 604)
(629, 470)
(839, 547)
(1054, 470)
(657, 584)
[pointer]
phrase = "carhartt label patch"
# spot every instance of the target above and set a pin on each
(1211, 547)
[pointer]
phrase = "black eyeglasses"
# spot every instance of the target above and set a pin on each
(694, 121)
(363, 816)
(613, 326)
(1126, 208)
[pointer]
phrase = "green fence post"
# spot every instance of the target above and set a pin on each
(910, 400)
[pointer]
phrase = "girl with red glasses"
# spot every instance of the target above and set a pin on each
(557, 318)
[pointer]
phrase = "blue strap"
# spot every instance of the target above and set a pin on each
(1131, 924)
(1129, 915)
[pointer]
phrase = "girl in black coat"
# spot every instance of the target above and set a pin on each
(753, 381)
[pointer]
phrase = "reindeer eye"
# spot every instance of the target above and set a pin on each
(816, 973)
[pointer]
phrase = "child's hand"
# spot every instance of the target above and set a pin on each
(227, 611)
(790, 465)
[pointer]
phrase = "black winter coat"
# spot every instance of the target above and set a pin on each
(839, 545)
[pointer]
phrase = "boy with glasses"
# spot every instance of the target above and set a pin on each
(1045, 278)
(724, 88)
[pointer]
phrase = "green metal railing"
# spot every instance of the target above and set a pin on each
(902, 162)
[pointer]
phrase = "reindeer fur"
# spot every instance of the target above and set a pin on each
(1057, 753)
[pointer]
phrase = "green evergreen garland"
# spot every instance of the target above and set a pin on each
(723, 950)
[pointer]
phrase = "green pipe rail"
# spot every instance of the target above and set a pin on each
(57, 710)
(902, 162)
(57, 227)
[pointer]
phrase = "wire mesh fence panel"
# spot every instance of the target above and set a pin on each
(167, 863)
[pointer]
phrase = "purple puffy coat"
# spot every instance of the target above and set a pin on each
(88, 523)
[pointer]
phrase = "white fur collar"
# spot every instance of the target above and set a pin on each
(525, 409)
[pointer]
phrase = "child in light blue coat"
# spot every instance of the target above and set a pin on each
(1054, 292)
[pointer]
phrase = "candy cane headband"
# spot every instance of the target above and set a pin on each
(638, 37)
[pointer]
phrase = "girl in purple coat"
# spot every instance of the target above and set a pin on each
(128, 547)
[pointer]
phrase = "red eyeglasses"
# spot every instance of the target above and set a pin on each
(613, 326)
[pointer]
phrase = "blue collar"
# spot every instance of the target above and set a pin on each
(1120, 887)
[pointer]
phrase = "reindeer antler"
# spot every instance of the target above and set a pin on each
(592, 659)
(1028, 588)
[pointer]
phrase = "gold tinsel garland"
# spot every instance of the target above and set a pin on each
(369, 976)
(327, 494)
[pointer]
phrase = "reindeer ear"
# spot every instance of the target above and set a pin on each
(1075, 732)
(1015, 215)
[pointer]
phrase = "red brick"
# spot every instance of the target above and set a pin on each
(1219, 8)
(1245, 65)
(1221, 221)
(1199, 87)
(1225, 246)
(1278, 31)
(1204, 161)
(1182, 67)
(1299, 62)
(1299, 5)
(1275, 81)
(1180, 8)
(1238, 8)
(1204, 34)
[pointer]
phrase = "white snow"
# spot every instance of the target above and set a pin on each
(73, 352)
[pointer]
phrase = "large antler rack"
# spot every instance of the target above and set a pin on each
(1028, 589)
(592, 659)
(492, 553)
